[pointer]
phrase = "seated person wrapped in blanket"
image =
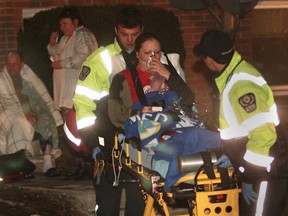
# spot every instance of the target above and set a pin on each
(27, 112)
(173, 131)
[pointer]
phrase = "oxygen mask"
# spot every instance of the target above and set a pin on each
(149, 61)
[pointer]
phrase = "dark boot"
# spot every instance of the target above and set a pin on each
(80, 173)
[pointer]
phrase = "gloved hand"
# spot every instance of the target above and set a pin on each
(95, 151)
(223, 162)
(248, 193)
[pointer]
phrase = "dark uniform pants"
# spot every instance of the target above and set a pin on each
(108, 197)
(275, 199)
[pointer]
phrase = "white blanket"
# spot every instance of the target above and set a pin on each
(16, 132)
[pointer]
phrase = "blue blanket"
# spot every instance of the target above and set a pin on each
(167, 135)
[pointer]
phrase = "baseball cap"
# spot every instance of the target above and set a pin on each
(215, 44)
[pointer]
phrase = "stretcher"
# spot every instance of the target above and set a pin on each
(206, 189)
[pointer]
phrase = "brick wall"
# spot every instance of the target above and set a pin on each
(193, 24)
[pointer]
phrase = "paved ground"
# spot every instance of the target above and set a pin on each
(44, 196)
(52, 197)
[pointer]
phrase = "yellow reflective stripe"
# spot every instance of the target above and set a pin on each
(70, 136)
(235, 130)
(262, 118)
(85, 122)
(251, 123)
(82, 90)
(230, 133)
(106, 59)
(96, 207)
(101, 141)
(227, 107)
(257, 159)
(261, 198)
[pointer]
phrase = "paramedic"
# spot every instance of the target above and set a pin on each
(248, 119)
(92, 87)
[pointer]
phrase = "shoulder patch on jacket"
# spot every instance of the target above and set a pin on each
(84, 73)
(248, 102)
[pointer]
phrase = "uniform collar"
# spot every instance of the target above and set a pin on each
(222, 79)
(117, 45)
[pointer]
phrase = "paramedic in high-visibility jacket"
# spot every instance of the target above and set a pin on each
(247, 124)
(93, 123)
(94, 79)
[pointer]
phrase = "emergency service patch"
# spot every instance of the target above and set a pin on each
(84, 73)
(248, 102)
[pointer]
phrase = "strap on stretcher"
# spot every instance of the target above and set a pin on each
(98, 169)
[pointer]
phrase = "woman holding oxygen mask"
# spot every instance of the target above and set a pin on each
(153, 75)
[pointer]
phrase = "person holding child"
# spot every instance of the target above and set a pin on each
(153, 76)
(162, 116)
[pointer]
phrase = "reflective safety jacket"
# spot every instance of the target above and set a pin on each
(247, 109)
(93, 83)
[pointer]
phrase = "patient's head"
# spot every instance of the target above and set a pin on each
(14, 64)
(147, 46)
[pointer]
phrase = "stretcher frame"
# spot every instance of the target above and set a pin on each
(204, 197)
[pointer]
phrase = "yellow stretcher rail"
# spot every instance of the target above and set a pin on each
(204, 196)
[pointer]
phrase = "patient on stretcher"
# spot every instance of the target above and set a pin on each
(168, 134)
(176, 129)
